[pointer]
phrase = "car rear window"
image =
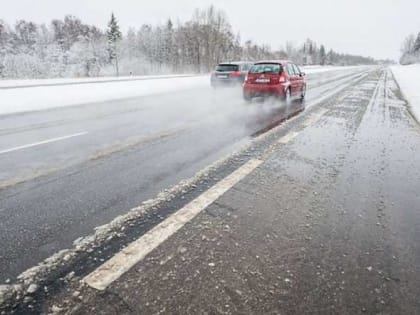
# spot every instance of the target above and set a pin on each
(274, 68)
(227, 68)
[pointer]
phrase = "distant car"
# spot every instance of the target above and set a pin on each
(281, 78)
(230, 73)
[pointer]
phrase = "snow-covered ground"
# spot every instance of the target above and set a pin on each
(408, 78)
(38, 82)
(44, 97)
(44, 94)
(319, 69)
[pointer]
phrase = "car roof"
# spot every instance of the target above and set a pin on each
(282, 62)
(236, 62)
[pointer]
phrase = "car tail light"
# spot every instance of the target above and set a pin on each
(236, 74)
(246, 79)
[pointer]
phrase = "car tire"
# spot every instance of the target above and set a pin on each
(287, 97)
(247, 97)
(302, 96)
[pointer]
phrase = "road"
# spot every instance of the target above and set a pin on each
(319, 216)
(66, 171)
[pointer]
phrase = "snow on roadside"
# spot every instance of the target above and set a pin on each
(45, 97)
(408, 78)
(319, 69)
(38, 82)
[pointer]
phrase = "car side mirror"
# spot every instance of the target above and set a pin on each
(302, 74)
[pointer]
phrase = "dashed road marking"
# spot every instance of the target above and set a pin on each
(43, 142)
(314, 118)
(112, 269)
(290, 136)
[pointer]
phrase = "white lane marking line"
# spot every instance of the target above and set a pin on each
(314, 118)
(290, 136)
(129, 256)
(43, 142)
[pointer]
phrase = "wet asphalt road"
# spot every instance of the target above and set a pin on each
(129, 151)
(328, 224)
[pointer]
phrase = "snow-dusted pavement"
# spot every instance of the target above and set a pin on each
(408, 78)
(316, 216)
(67, 170)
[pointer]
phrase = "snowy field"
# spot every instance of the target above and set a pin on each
(6, 84)
(44, 97)
(319, 69)
(54, 93)
(408, 78)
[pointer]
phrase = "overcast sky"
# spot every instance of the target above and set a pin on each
(367, 27)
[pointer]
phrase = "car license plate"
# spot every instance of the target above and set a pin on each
(262, 80)
(222, 76)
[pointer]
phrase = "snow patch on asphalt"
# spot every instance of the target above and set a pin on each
(136, 251)
(408, 78)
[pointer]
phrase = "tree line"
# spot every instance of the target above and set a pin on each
(410, 50)
(71, 48)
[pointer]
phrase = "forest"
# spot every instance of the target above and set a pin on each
(70, 48)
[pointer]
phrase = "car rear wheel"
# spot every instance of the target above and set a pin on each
(247, 97)
(287, 97)
(302, 96)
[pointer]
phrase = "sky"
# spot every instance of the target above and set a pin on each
(367, 27)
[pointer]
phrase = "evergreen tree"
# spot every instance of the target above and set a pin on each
(416, 46)
(114, 36)
(168, 43)
(330, 59)
(322, 55)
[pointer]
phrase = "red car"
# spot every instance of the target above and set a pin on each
(280, 78)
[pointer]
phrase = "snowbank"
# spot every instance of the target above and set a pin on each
(7, 84)
(319, 69)
(44, 97)
(408, 78)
